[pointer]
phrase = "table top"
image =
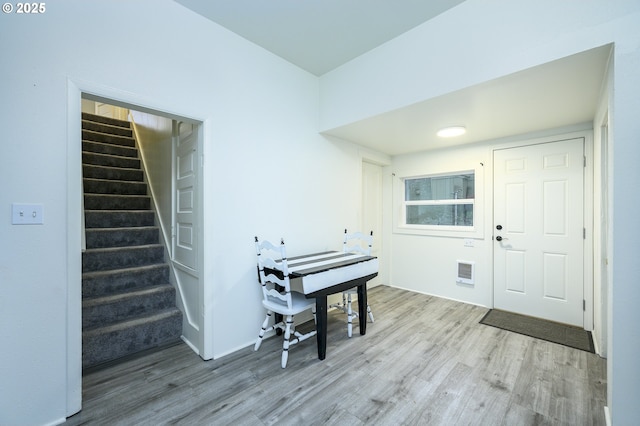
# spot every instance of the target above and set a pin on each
(315, 263)
(324, 271)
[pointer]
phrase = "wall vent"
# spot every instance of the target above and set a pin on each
(466, 272)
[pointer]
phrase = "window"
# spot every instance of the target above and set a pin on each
(440, 201)
(435, 200)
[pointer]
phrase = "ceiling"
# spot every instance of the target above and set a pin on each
(557, 94)
(319, 36)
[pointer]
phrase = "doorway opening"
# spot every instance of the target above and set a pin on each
(539, 230)
(371, 219)
(170, 149)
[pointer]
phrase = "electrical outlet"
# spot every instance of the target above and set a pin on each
(26, 214)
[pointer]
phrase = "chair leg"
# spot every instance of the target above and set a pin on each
(285, 344)
(350, 316)
(370, 313)
(341, 306)
(262, 331)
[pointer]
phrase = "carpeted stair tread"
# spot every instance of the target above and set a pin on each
(110, 149)
(141, 320)
(118, 218)
(100, 311)
(116, 202)
(101, 283)
(167, 313)
(105, 344)
(116, 173)
(96, 159)
(120, 297)
(88, 135)
(121, 237)
(104, 259)
(107, 128)
(114, 187)
(105, 120)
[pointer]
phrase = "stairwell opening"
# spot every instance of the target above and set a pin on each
(132, 166)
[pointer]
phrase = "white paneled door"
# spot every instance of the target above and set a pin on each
(185, 241)
(185, 247)
(539, 230)
(372, 208)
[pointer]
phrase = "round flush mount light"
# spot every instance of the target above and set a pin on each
(449, 132)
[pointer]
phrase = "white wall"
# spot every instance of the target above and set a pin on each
(478, 41)
(624, 293)
(154, 135)
(472, 43)
(260, 128)
(426, 263)
(256, 107)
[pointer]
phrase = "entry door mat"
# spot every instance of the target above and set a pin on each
(567, 335)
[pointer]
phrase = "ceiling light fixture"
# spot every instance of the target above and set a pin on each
(449, 132)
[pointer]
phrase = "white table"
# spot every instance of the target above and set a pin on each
(322, 274)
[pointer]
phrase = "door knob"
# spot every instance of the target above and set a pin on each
(498, 238)
(499, 227)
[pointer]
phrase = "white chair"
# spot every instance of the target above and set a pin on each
(278, 297)
(356, 242)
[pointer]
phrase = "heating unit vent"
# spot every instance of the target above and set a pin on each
(466, 272)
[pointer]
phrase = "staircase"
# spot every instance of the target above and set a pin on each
(128, 304)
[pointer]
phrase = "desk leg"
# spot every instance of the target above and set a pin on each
(321, 326)
(362, 307)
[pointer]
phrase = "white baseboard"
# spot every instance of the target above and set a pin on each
(596, 344)
(251, 343)
(440, 296)
(191, 345)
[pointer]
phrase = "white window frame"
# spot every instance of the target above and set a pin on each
(400, 205)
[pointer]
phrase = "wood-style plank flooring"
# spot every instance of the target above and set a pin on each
(425, 361)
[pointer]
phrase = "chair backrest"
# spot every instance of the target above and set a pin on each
(275, 283)
(357, 242)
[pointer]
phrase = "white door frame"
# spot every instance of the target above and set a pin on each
(366, 202)
(383, 245)
(602, 236)
(75, 91)
(587, 209)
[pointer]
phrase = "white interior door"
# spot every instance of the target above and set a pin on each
(539, 230)
(185, 240)
(185, 232)
(372, 208)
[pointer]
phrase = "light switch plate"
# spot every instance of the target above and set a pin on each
(27, 214)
